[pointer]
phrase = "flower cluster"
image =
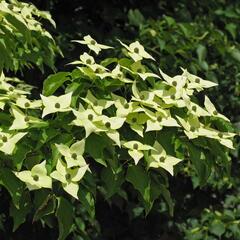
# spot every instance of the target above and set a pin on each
(153, 102)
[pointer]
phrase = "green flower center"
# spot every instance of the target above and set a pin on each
(215, 112)
(90, 117)
(88, 61)
(167, 87)
(10, 6)
(98, 70)
(68, 176)
(172, 97)
(220, 135)
(4, 139)
(134, 120)
(194, 108)
(197, 80)
(140, 70)
(74, 156)
(174, 83)
(57, 105)
(136, 50)
(126, 105)
(192, 129)
(119, 75)
(142, 97)
(26, 105)
(162, 159)
(159, 118)
(93, 42)
(135, 146)
(35, 178)
(26, 119)
(11, 89)
(107, 125)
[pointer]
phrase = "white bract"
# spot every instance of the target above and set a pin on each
(86, 118)
(53, 104)
(73, 154)
(136, 51)
(110, 125)
(212, 110)
(25, 103)
(138, 69)
(69, 177)
(159, 158)
(195, 82)
(21, 120)
(36, 178)
(136, 149)
(123, 107)
(159, 119)
(136, 121)
(98, 105)
(92, 44)
(88, 61)
(116, 73)
(8, 141)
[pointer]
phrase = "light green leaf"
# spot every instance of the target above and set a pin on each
(201, 52)
(217, 228)
(53, 82)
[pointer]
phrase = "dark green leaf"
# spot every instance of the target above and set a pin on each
(14, 186)
(65, 217)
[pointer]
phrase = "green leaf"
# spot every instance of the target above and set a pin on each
(112, 181)
(139, 178)
(135, 17)
(20, 155)
(65, 217)
(201, 52)
(200, 163)
(19, 215)
(166, 195)
(232, 29)
(22, 27)
(14, 186)
(235, 53)
(53, 82)
(45, 204)
(87, 200)
(95, 145)
(217, 228)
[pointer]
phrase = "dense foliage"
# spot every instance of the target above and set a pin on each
(24, 42)
(204, 48)
(115, 128)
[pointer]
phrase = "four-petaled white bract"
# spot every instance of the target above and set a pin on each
(36, 178)
(136, 51)
(69, 177)
(73, 154)
(53, 104)
(159, 158)
(92, 44)
(146, 109)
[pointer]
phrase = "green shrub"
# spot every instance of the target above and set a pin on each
(24, 42)
(116, 124)
(207, 44)
(223, 223)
